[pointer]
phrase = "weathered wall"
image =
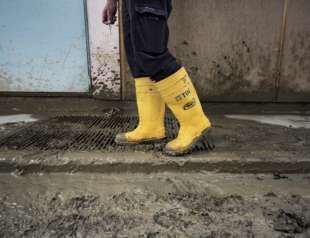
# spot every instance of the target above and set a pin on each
(229, 47)
(295, 80)
(46, 50)
(42, 46)
(104, 53)
(232, 49)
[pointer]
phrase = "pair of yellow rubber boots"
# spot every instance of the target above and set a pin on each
(179, 94)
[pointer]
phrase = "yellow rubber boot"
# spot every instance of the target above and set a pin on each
(151, 110)
(180, 95)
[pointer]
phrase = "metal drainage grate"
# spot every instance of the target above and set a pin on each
(83, 133)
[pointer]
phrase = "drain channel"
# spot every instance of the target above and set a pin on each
(83, 133)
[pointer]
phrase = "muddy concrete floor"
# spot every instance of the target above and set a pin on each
(162, 204)
(240, 146)
(155, 205)
(232, 136)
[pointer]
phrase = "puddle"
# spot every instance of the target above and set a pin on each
(290, 121)
(17, 118)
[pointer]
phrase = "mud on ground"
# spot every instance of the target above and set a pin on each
(162, 205)
(244, 138)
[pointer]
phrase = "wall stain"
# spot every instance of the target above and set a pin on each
(105, 79)
(242, 69)
(296, 76)
(101, 78)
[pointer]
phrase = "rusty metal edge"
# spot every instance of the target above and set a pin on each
(280, 55)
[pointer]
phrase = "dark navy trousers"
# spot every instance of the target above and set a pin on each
(146, 35)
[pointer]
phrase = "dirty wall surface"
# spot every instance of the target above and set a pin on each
(47, 52)
(104, 53)
(295, 81)
(233, 52)
(43, 47)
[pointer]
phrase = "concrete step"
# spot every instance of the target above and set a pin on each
(23, 162)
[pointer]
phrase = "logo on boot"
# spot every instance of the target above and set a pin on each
(189, 105)
(183, 95)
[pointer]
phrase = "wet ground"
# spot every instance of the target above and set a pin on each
(230, 135)
(237, 127)
(241, 146)
(248, 138)
(139, 192)
(155, 205)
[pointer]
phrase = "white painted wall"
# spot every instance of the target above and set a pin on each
(104, 46)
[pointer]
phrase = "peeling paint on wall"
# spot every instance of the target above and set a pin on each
(104, 48)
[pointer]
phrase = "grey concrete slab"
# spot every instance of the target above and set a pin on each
(147, 162)
(229, 47)
(295, 80)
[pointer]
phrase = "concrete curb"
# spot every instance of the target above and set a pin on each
(140, 162)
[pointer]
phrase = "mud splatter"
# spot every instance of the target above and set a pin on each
(241, 71)
(105, 73)
(102, 78)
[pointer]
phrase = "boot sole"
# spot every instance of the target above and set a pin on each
(141, 142)
(203, 135)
